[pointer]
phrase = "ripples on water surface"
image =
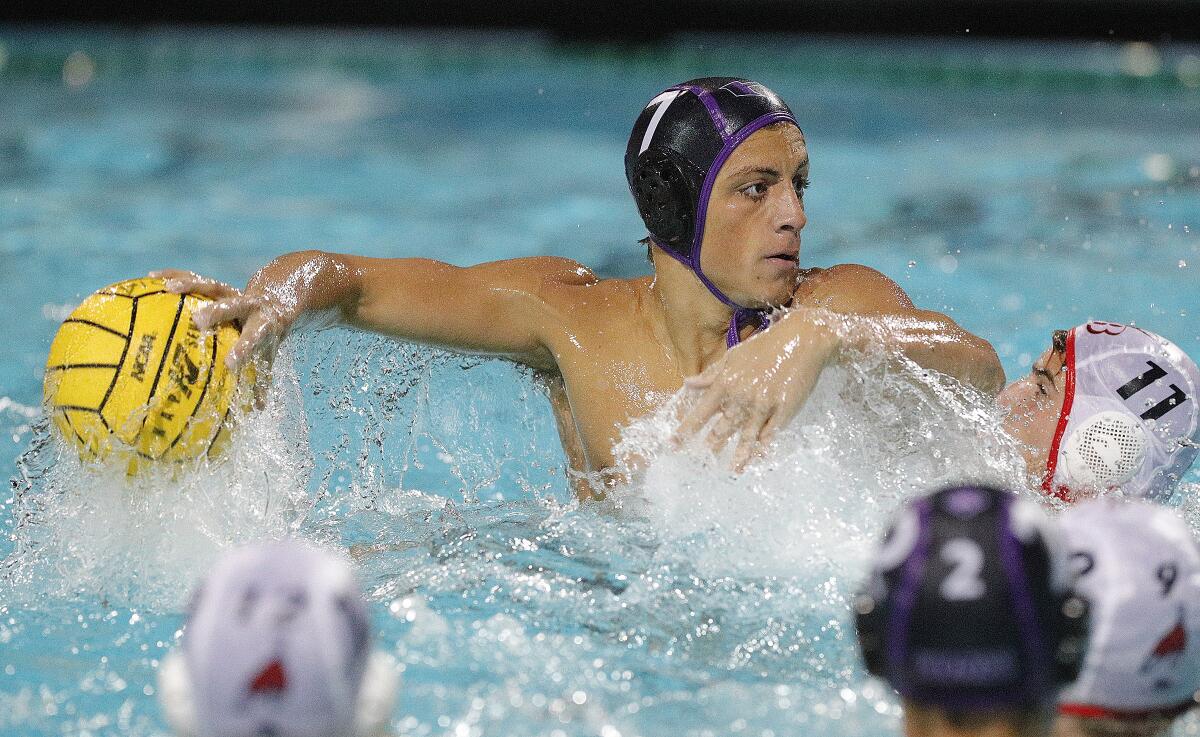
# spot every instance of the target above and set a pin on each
(1020, 186)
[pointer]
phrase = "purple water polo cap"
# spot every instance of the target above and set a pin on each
(968, 606)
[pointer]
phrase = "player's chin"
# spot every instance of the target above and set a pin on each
(1009, 397)
(777, 288)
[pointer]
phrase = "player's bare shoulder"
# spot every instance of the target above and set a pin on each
(555, 282)
(572, 287)
(849, 288)
(552, 272)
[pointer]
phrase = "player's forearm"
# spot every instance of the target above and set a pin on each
(934, 341)
(929, 339)
(414, 299)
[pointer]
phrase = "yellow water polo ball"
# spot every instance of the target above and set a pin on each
(131, 377)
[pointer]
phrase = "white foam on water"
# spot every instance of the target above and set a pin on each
(876, 429)
(87, 529)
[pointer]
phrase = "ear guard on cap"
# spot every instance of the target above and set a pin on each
(666, 198)
(1104, 452)
(377, 695)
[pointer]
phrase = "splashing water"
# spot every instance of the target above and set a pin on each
(691, 601)
(144, 541)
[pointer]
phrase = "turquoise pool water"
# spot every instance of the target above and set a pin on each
(1019, 187)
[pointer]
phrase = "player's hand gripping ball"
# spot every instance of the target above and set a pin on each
(130, 377)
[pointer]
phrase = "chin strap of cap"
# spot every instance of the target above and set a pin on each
(741, 315)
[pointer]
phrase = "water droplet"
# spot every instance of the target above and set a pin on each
(1158, 167)
(1140, 59)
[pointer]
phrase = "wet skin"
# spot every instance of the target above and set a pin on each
(1031, 407)
(1154, 725)
(612, 350)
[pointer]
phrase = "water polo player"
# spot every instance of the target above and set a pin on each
(1107, 406)
(718, 168)
(1139, 568)
(969, 616)
(278, 642)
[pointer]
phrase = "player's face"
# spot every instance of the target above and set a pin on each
(1032, 405)
(751, 247)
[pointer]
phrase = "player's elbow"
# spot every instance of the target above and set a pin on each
(988, 374)
(996, 380)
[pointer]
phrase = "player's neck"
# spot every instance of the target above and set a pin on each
(1069, 726)
(693, 320)
(928, 722)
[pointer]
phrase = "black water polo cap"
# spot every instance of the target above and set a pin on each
(969, 606)
(678, 144)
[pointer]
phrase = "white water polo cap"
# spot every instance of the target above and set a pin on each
(277, 643)
(1138, 565)
(1130, 418)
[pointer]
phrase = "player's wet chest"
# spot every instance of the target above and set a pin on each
(611, 382)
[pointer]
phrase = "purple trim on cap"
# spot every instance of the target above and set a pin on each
(895, 633)
(694, 267)
(740, 314)
(673, 253)
(743, 87)
(714, 110)
(734, 334)
(1037, 678)
(740, 317)
(692, 260)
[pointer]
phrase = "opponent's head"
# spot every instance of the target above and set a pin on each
(1138, 565)
(278, 642)
(968, 612)
(1107, 406)
(717, 167)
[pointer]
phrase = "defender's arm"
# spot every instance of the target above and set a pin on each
(930, 339)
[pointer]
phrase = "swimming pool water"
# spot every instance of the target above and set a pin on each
(1020, 187)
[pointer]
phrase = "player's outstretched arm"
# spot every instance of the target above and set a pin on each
(498, 308)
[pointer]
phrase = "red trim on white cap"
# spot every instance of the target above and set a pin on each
(1088, 711)
(1064, 416)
